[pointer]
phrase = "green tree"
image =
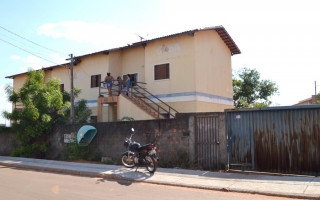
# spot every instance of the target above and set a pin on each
(250, 91)
(37, 107)
(82, 112)
(318, 99)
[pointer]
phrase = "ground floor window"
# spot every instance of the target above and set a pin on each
(93, 119)
(62, 87)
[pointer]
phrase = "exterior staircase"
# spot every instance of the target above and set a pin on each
(142, 104)
(150, 103)
(146, 101)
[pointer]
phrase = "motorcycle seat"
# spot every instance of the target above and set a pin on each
(144, 147)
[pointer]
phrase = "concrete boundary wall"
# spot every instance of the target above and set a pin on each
(7, 143)
(174, 138)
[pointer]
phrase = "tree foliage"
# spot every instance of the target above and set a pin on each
(250, 91)
(81, 111)
(37, 107)
(318, 98)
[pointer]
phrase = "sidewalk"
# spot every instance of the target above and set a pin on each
(286, 186)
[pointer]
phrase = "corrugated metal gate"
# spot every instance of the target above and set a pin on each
(207, 142)
(280, 139)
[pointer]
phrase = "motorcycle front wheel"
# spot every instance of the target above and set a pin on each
(127, 161)
(151, 164)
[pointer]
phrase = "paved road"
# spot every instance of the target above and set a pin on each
(16, 184)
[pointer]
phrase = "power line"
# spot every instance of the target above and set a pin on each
(21, 44)
(31, 41)
(30, 52)
(27, 51)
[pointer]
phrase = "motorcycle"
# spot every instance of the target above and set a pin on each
(137, 155)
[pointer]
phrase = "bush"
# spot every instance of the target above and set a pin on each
(76, 152)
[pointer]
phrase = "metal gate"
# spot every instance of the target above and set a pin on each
(276, 139)
(207, 142)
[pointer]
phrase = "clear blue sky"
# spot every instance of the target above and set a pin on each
(280, 39)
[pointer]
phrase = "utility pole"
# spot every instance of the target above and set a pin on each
(72, 90)
(315, 88)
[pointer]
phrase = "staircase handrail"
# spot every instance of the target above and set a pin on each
(147, 104)
(167, 111)
(135, 86)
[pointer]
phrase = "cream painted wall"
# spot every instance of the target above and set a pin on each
(183, 107)
(115, 63)
(18, 82)
(198, 106)
(127, 109)
(179, 53)
(91, 65)
(133, 62)
(62, 73)
(213, 64)
(47, 75)
(212, 107)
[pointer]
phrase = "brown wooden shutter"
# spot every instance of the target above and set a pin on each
(95, 80)
(98, 80)
(62, 87)
(161, 71)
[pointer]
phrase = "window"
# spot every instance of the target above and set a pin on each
(93, 119)
(161, 71)
(133, 78)
(62, 87)
(95, 80)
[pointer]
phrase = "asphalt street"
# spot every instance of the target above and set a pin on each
(307, 187)
(29, 185)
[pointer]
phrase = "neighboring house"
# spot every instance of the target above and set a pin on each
(308, 101)
(190, 71)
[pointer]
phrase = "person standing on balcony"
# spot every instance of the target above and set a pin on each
(108, 82)
(128, 83)
(120, 84)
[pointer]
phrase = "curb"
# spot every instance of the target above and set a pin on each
(63, 171)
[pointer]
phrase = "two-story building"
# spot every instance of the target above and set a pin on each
(185, 72)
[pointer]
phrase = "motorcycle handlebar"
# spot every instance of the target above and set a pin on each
(131, 136)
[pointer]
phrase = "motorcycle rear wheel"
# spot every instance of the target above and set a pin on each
(151, 164)
(127, 161)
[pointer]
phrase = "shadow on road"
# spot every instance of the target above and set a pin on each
(120, 182)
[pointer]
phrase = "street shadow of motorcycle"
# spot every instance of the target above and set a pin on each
(120, 182)
(126, 176)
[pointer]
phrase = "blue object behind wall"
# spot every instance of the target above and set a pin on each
(85, 135)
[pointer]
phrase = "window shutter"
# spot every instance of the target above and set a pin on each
(98, 79)
(95, 80)
(161, 71)
(62, 87)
